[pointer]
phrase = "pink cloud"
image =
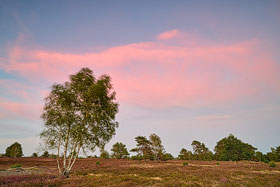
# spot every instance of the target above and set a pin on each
(159, 73)
(12, 110)
(168, 35)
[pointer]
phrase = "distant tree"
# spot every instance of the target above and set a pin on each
(151, 148)
(14, 150)
(34, 155)
(45, 154)
(143, 148)
(104, 154)
(137, 157)
(79, 115)
(156, 147)
(200, 151)
(119, 150)
(259, 156)
(167, 156)
(274, 155)
(53, 156)
(231, 148)
(185, 155)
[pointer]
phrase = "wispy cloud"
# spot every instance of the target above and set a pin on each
(159, 74)
(168, 35)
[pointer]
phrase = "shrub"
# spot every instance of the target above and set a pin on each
(185, 163)
(15, 150)
(137, 157)
(266, 161)
(272, 164)
(167, 156)
(45, 154)
(217, 163)
(104, 154)
(97, 163)
(15, 166)
(34, 155)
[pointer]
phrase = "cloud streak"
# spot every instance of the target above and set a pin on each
(161, 74)
(168, 35)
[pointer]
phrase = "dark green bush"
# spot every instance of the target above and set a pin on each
(185, 163)
(266, 161)
(272, 164)
(137, 157)
(15, 150)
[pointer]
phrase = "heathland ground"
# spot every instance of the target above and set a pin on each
(122, 172)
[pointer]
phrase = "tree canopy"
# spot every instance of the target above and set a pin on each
(156, 147)
(79, 115)
(119, 150)
(232, 148)
(200, 151)
(14, 150)
(185, 154)
(151, 148)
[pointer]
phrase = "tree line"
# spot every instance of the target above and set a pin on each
(227, 149)
(80, 115)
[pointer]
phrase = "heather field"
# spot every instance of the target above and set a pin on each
(114, 172)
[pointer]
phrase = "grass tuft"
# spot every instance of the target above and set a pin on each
(272, 164)
(15, 166)
(185, 163)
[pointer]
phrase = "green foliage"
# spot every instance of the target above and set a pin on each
(185, 163)
(45, 154)
(266, 161)
(143, 147)
(15, 150)
(217, 163)
(167, 156)
(156, 147)
(150, 149)
(119, 151)
(15, 166)
(259, 157)
(34, 155)
(231, 148)
(104, 154)
(79, 115)
(185, 154)
(274, 155)
(201, 152)
(97, 163)
(137, 157)
(272, 164)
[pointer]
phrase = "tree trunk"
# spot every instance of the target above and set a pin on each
(65, 173)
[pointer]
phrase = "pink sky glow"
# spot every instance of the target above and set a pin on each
(148, 73)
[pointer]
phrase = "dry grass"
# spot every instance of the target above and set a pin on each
(113, 172)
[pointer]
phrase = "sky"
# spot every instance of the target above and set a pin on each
(185, 70)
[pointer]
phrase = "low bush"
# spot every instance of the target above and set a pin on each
(97, 163)
(272, 164)
(266, 161)
(185, 163)
(137, 157)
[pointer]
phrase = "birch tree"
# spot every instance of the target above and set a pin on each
(79, 115)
